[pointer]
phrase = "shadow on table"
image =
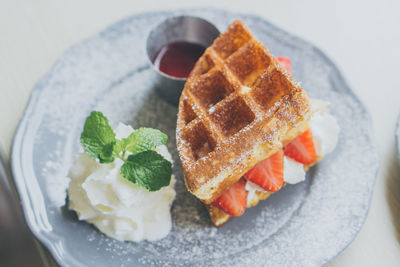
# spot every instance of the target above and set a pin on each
(393, 191)
(17, 246)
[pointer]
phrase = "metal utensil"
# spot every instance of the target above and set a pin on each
(183, 28)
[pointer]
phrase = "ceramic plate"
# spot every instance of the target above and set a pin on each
(306, 224)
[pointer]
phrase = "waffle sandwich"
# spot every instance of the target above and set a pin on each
(238, 110)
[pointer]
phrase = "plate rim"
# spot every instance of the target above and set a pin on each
(17, 141)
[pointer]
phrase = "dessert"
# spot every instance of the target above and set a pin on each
(128, 205)
(245, 127)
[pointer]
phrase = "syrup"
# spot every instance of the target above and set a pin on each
(177, 59)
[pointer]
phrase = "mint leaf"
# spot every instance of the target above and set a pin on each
(147, 169)
(98, 138)
(117, 148)
(107, 154)
(143, 139)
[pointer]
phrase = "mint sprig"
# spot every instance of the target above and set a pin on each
(144, 166)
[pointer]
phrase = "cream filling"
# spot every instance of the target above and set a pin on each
(325, 131)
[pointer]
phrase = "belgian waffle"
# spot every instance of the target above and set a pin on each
(238, 107)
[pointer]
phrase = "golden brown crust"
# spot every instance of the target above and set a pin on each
(217, 216)
(238, 107)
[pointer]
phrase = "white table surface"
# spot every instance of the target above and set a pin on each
(362, 38)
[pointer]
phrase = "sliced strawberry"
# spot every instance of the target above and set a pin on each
(302, 149)
(268, 173)
(234, 200)
(286, 63)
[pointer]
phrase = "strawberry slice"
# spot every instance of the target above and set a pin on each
(286, 63)
(302, 149)
(234, 200)
(268, 173)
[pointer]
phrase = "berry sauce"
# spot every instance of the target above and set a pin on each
(177, 59)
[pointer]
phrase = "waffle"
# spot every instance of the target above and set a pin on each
(238, 107)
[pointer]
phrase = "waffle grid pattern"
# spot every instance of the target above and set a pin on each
(221, 98)
(238, 106)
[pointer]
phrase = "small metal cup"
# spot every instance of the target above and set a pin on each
(177, 29)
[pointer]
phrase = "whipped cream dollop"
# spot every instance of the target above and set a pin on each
(117, 207)
(324, 128)
(293, 171)
(325, 131)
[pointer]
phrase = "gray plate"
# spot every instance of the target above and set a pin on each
(305, 225)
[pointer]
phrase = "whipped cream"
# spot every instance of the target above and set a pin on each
(293, 171)
(324, 128)
(325, 131)
(252, 188)
(117, 207)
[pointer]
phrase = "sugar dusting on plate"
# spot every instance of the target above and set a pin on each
(307, 223)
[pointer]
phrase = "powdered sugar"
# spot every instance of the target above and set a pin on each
(307, 223)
